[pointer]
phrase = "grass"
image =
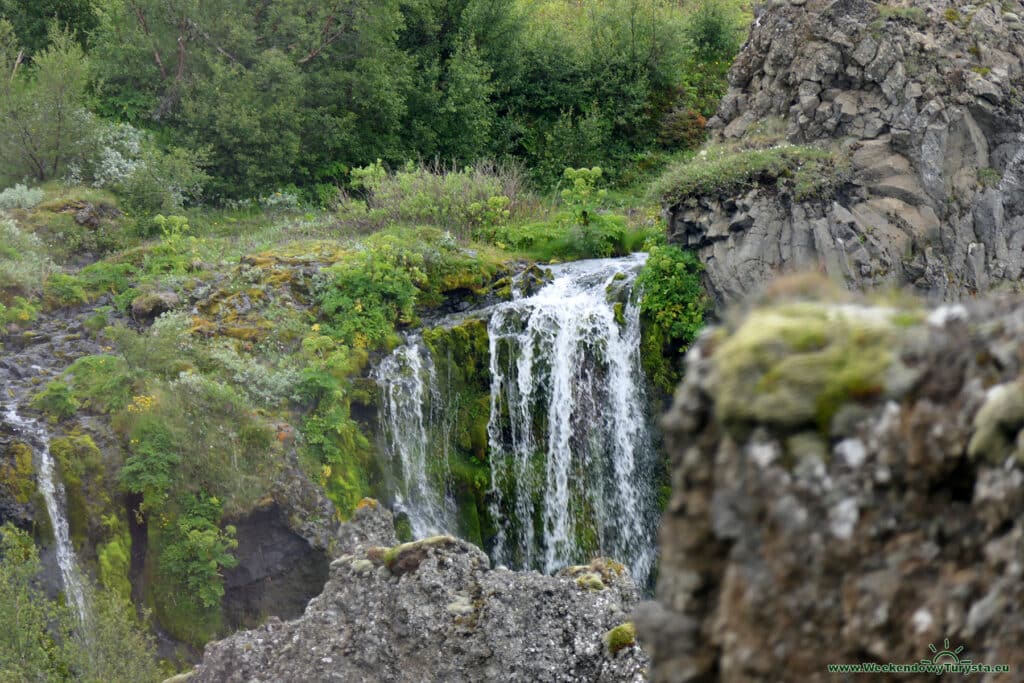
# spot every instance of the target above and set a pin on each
(809, 172)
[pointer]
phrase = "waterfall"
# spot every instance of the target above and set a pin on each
(570, 448)
(571, 460)
(53, 493)
(410, 408)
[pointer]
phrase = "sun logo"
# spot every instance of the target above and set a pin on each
(945, 657)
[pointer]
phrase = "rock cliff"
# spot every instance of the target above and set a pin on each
(848, 487)
(433, 610)
(922, 106)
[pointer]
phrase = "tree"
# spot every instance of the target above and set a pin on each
(43, 123)
(41, 640)
(31, 20)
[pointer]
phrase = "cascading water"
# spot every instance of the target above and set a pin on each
(570, 448)
(571, 461)
(53, 493)
(410, 409)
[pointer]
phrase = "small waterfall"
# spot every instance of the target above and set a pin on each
(410, 408)
(53, 493)
(571, 460)
(570, 449)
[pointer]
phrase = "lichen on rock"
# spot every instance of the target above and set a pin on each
(787, 547)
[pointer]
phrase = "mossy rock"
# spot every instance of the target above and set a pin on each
(407, 557)
(17, 475)
(795, 365)
(998, 423)
(620, 637)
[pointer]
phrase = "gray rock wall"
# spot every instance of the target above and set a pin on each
(925, 100)
(848, 486)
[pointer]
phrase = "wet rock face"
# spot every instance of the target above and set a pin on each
(278, 571)
(433, 610)
(848, 486)
(923, 102)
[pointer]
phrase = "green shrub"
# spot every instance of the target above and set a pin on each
(20, 197)
(20, 311)
(196, 549)
(459, 200)
(23, 261)
(56, 400)
(64, 290)
(101, 383)
(672, 308)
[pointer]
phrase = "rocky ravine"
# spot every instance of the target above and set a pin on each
(924, 100)
(433, 610)
(848, 486)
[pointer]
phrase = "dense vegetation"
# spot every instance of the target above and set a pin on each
(246, 203)
(264, 96)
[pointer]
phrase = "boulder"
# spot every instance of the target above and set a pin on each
(434, 610)
(848, 488)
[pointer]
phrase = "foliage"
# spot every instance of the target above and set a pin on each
(41, 639)
(101, 383)
(23, 261)
(31, 21)
(197, 550)
(20, 197)
(43, 125)
(29, 649)
(299, 103)
(461, 200)
(148, 179)
(56, 400)
(810, 171)
(20, 311)
(149, 469)
(64, 290)
(672, 308)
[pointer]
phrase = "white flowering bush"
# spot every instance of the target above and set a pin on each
(20, 197)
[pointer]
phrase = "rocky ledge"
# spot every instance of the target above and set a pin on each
(434, 610)
(921, 103)
(848, 486)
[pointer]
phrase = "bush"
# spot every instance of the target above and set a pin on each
(56, 400)
(20, 197)
(101, 383)
(196, 550)
(460, 200)
(23, 261)
(672, 308)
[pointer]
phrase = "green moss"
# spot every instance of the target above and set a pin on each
(620, 637)
(80, 465)
(406, 557)
(590, 582)
(810, 172)
(797, 364)
(403, 529)
(997, 423)
(16, 472)
(114, 559)
(914, 15)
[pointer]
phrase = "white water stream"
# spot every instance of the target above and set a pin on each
(572, 466)
(37, 436)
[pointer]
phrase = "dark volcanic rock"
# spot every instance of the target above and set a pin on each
(923, 101)
(848, 487)
(433, 610)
